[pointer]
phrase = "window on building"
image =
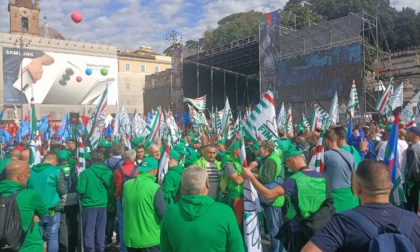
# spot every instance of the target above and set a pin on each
(24, 24)
(128, 102)
(142, 69)
(156, 69)
(127, 67)
(127, 85)
(10, 114)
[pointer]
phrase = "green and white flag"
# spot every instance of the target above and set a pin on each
(383, 105)
(35, 142)
(305, 121)
(281, 118)
(155, 124)
(289, 121)
(196, 116)
(97, 121)
(334, 113)
(124, 127)
(198, 103)
(263, 119)
(174, 131)
(396, 100)
(353, 102)
(139, 127)
(81, 161)
(217, 121)
(320, 119)
(407, 115)
(227, 122)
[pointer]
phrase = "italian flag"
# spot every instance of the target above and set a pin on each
(97, 121)
(317, 160)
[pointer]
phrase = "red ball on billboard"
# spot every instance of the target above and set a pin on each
(76, 17)
(78, 79)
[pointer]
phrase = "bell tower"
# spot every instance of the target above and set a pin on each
(24, 17)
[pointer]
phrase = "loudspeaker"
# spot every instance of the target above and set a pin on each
(74, 118)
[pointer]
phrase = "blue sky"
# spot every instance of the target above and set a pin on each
(131, 23)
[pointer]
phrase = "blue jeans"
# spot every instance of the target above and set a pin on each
(120, 218)
(11, 94)
(50, 225)
(273, 221)
(94, 223)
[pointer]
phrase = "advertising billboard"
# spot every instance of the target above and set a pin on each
(57, 78)
(319, 75)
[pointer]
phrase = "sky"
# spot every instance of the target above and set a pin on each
(128, 24)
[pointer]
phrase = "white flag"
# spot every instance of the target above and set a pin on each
(281, 118)
(334, 113)
(198, 103)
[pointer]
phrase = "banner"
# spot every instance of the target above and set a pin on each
(65, 78)
(198, 103)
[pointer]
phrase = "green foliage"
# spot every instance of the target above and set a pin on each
(170, 50)
(232, 27)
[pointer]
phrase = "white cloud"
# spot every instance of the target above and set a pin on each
(146, 22)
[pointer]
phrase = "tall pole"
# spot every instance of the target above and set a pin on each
(176, 38)
(22, 43)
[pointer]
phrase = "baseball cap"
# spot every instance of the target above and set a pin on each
(414, 130)
(292, 151)
(63, 155)
(195, 140)
(235, 145)
(221, 141)
(181, 148)
(174, 154)
(148, 164)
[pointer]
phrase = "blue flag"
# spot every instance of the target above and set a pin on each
(390, 158)
(108, 132)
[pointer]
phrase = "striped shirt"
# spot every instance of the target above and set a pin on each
(213, 179)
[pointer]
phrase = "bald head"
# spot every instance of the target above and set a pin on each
(25, 155)
(16, 154)
(374, 178)
(18, 171)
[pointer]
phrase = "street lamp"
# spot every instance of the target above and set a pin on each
(22, 43)
(176, 38)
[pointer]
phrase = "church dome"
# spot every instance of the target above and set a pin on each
(50, 33)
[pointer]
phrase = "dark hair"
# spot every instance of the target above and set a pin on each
(330, 135)
(97, 156)
(140, 146)
(340, 132)
(375, 176)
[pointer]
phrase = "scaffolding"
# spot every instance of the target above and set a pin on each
(353, 29)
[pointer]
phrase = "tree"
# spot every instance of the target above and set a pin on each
(301, 9)
(170, 50)
(233, 27)
(406, 28)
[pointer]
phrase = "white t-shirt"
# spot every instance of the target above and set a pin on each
(213, 179)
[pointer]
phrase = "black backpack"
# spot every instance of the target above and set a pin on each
(12, 235)
(126, 178)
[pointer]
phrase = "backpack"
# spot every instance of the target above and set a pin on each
(125, 177)
(12, 235)
(382, 238)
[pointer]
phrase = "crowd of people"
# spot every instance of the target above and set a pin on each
(199, 204)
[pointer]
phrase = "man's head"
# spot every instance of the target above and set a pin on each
(129, 155)
(174, 157)
(117, 149)
(210, 153)
(140, 152)
(50, 158)
(194, 181)
(266, 148)
(72, 144)
(18, 171)
(97, 156)
(189, 136)
(330, 140)
(221, 145)
(341, 134)
(312, 138)
(282, 133)
(235, 148)
(195, 143)
(63, 156)
(25, 155)
(293, 158)
(149, 165)
(154, 151)
(16, 154)
(372, 180)
(413, 135)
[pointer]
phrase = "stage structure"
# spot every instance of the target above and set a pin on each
(229, 71)
(308, 66)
